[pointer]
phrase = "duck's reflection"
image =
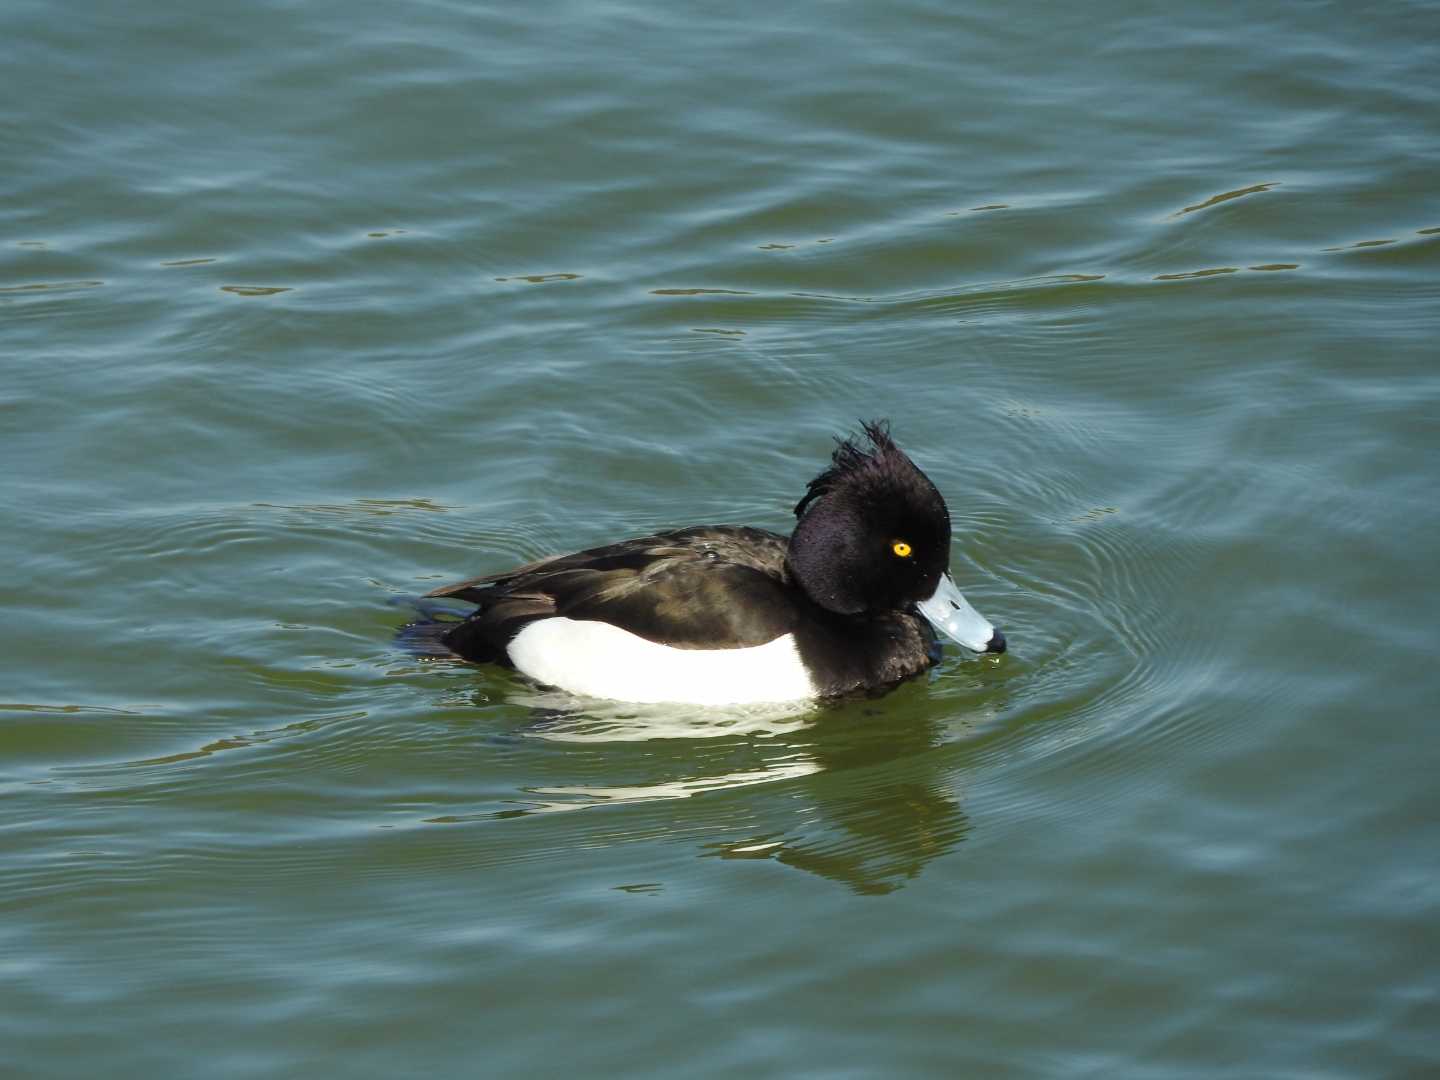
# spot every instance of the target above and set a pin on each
(873, 844)
(858, 793)
(873, 841)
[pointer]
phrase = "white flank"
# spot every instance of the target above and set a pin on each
(601, 660)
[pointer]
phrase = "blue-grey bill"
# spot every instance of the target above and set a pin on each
(951, 614)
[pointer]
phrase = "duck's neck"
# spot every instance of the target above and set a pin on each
(847, 652)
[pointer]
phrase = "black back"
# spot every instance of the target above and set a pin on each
(708, 587)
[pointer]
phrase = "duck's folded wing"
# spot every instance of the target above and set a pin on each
(627, 554)
(684, 604)
(695, 589)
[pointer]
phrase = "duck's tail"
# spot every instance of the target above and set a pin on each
(425, 637)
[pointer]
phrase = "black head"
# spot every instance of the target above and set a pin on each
(874, 533)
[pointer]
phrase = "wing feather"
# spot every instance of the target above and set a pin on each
(706, 587)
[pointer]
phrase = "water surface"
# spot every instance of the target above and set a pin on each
(307, 309)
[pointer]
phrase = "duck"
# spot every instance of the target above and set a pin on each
(850, 602)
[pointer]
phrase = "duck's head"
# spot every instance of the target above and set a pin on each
(874, 535)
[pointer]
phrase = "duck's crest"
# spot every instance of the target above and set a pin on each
(852, 461)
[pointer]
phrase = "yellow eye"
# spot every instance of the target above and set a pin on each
(901, 548)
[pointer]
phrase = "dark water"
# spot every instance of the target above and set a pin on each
(305, 309)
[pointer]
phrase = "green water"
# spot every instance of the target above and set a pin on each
(307, 309)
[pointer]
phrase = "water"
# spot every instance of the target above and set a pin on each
(307, 309)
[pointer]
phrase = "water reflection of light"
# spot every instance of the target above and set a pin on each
(678, 789)
(565, 718)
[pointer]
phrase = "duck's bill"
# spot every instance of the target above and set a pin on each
(951, 614)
